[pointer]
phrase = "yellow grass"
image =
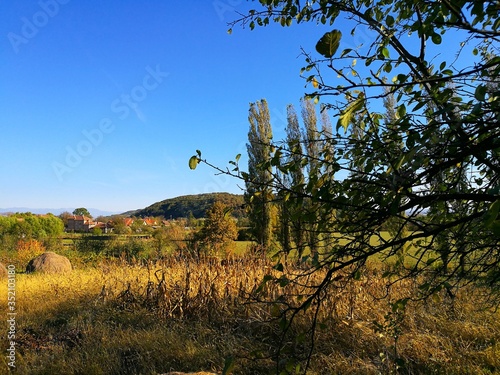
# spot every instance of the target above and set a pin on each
(192, 316)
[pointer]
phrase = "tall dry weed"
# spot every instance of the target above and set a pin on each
(192, 314)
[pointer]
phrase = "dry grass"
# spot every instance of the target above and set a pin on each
(191, 316)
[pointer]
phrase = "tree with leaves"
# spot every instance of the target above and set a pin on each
(219, 230)
(440, 150)
(311, 141)
(295, 179)
(259, 193)
(402, 63)
(82, 211)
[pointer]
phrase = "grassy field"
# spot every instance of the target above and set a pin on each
(185, 315)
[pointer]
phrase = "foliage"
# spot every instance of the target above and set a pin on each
(219, 231)
(170, 239)
(82, 211)
(28, 225)
(119, 226)
(435, 153)
(88, 244)
(26, 250)
(259, 195)
(429, 169)
(130, 250)
(191, 205)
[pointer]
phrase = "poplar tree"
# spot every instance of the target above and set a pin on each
(311, 139)
(259, 194)
(296, 179)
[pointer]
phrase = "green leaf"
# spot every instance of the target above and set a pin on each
(436, 38)
(193, 162)
(283, 323)
(279, 267)
(492, 213)
(345, 52)
(402, 78)
(390, 21)
(329, 43)
(401, 111)
(480, 92)
(385, 52)
(283, 281)
(347, 115)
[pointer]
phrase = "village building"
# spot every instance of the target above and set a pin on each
(80, 223)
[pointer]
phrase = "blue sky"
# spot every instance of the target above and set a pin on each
(103, 103)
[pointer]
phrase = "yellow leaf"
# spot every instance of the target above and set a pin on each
(315, 83)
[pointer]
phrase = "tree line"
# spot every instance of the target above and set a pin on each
(30, 226)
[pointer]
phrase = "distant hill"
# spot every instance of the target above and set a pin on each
(56, 211)
(196, 204)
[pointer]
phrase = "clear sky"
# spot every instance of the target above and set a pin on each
(103, 102)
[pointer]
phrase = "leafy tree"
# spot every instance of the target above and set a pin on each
(413, 159)
(51, 225)
(28, 226)
(328, 142)
(219, 230)
(312, 143)
(171, 237)
(436, 150)
(259, 194)
(64, 216)
(119, 226)
(82, 211)
(292, 227)
(433, 167)
(96, 231)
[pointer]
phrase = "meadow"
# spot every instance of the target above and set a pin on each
(117, 316)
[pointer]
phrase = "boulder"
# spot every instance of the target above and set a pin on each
(49, 262)
(3, 272)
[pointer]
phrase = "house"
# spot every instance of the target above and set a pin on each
(80, 223)
(105, 227)
(150, 222)
(128, 221)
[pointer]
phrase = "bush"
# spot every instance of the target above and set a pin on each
(131, 250)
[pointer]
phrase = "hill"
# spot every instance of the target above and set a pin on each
(55, 211)
(196, 204)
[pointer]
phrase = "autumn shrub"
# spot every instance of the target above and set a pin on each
(25, 251)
